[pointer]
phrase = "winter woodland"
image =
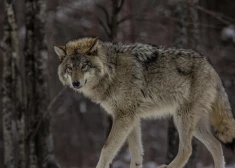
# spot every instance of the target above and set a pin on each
(43, 124)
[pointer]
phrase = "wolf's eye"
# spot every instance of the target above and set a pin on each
(84, 67)
(68, 69)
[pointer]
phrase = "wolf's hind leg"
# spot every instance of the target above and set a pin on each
(135, 147)
(185, 123)
(121, 128)
(204, 134)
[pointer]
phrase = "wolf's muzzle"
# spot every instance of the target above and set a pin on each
(76, 84)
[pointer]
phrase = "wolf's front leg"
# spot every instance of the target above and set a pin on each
(135, 147)
(121, 128)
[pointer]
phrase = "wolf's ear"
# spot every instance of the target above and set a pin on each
(60, 51)
(93, 49)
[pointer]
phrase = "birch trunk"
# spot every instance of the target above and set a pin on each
(13, 105)
(7, 100)
(40, 145)
(31, 106)
(45, 142)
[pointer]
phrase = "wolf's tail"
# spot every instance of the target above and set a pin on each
(222, 119)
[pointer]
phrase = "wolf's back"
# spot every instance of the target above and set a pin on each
(222, 118)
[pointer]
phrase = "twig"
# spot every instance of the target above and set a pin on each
(216, 15)
(54, 100)
(12, 2)
(178, 20)
(124, 19)
(107, 31)
(105, 11)
(120, 6)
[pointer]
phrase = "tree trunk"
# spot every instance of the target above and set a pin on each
(7, 100)
(193, 37)
(31, 106)
(44, 137)
(114, 17)
(13, 104)
(186, 36)
(39, 140)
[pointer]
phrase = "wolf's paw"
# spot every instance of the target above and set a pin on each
(162, 166)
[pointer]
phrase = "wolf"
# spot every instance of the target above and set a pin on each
(136, 81)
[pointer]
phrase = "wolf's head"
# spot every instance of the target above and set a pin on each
(80, 62)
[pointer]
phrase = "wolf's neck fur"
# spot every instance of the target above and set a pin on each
(99, 89)
(143, 52)
(108, 54)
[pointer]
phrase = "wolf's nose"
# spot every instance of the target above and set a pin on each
(76, 84)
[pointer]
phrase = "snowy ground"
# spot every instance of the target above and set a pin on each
(119, 164)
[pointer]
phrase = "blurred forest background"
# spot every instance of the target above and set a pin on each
(43, 123)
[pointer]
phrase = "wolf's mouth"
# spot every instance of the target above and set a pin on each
(85, 82)
(79, 87)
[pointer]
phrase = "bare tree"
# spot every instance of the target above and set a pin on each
(39, 138)
(7, 101)
(186, 36)
(13, 105)
(110, 26)
(112, 21)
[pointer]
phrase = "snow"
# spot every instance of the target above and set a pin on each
(150, 165)
(83, 108)
(228, 33)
